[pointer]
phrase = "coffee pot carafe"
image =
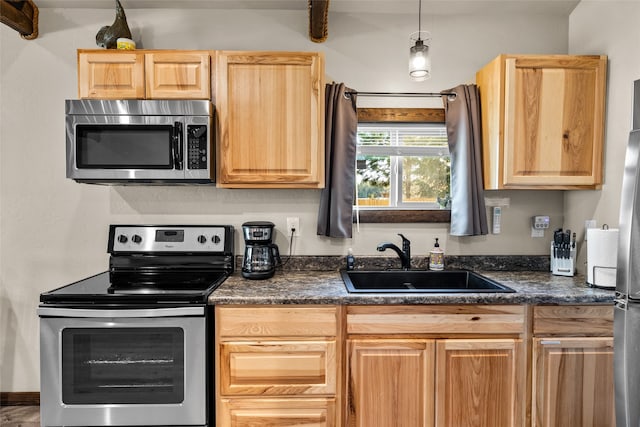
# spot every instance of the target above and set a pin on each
(261, 256)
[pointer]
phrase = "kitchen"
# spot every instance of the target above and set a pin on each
(50, 224)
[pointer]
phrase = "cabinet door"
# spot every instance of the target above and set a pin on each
(271, 119)
(111, 75)
(178, 75)
(390, 383)
(276, 413)
(573, 382)
(479, 383)
(554, 120)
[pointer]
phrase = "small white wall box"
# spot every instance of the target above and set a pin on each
(540, 222)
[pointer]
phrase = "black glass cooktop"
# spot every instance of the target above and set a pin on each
(136, 288)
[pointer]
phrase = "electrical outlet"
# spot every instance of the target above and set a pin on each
(293, 223)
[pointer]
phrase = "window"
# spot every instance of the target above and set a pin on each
(402, 166)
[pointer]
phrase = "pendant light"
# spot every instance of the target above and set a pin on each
(419, 59)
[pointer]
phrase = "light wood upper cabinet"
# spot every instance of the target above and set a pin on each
(113, 74)
(543, 121)
(110, 75)
(572, 372)
(271, 119)
(178, 75)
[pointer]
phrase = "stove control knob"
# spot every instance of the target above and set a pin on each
(202, 239)
(216, 239)
(136, 239)
(122, 238)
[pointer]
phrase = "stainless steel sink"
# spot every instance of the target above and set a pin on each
(419, 281)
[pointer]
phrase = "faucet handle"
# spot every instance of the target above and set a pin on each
(405, 241)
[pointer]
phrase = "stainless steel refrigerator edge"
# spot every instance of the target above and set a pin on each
(627, 304)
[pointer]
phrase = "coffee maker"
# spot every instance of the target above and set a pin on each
(261, 257)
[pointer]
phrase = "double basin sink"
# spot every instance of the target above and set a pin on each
(419, 281)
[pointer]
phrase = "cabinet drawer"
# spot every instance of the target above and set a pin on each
(575, 320)
(278, 368)
(243, 321)
(493, 319)
(276, 412)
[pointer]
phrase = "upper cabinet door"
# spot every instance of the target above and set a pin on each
(543, 121)
(110, 75)
(271, 119)
(144, 74)
(178, 75)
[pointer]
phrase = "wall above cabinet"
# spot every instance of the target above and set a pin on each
(543, 121)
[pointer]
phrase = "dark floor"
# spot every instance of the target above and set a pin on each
(20, 416)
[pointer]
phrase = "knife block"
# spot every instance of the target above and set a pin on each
(563, 266)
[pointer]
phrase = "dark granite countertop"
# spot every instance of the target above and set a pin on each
(326, 287)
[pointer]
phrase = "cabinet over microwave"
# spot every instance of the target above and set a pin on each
(139, 141)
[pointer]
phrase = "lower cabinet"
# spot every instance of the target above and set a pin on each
(277, 366)
(453, 366)
(572, 382)
(445, 382)
(391, 382)
(478, 382)
(414, 366)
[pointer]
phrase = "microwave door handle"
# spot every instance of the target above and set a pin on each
(177, 145)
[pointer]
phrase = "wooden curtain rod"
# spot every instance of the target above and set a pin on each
(402, 94)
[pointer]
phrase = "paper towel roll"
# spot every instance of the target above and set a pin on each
(602, 257)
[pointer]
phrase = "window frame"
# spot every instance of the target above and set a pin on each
(402, 115)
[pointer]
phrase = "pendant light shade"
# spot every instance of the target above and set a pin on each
(419, 59)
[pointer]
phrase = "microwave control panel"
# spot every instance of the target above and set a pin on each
(197, 146)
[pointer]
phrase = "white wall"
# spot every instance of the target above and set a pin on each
(611, 28)
(53, 230)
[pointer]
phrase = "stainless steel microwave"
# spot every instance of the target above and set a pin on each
(139, 141)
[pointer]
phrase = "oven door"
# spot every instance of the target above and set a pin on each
(125, 367)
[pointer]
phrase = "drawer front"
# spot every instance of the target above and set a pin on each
(257, 322)
(575, 320)
(492, 319)
(276, 412)
(278, 368)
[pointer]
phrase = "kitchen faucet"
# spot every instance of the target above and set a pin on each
(404, 254)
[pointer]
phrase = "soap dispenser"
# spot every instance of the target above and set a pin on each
(436, 257)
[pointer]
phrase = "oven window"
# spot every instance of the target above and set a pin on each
(124, 146)
(122, 365)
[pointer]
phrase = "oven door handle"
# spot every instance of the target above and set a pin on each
(120, 313)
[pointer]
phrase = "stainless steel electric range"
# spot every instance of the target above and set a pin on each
(131, 346)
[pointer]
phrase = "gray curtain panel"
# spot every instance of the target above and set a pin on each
(468, 215)
(341, 125)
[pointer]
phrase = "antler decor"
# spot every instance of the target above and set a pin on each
(318, 11)
(22, 16)
(108, 35)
